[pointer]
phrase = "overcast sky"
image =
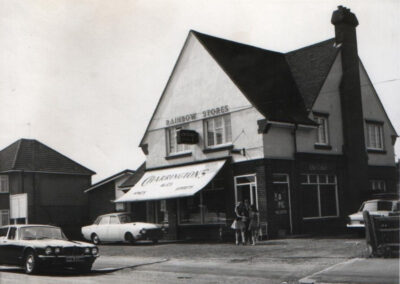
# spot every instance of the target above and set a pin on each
(84, 76)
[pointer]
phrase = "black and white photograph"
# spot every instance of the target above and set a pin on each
(225, 141)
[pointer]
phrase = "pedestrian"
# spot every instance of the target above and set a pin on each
(238, 224)
(254, 224)
(246, 219)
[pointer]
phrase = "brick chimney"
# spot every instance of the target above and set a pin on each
(354, 150)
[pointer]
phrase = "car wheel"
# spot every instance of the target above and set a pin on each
(95, 239)
(155, 241)
(129, 238)
(84, 268)
(30, 266)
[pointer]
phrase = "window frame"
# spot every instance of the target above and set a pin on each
(377, 132)
(318, 183)
(186, 147)
(325, 128)
(375, 185)
(224, 128)
(2, 211)
(4, 180)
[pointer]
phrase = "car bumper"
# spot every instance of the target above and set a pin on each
(355, 226)
(152, 234)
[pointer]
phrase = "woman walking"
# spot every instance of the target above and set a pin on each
(238, 224)
(254, 224)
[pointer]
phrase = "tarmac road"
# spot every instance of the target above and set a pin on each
(274, 261)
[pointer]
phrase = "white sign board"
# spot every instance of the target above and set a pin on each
(19, 206)
(174, 182)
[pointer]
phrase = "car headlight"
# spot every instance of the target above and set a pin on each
(57, 250)
(142, 231)
(95, 251)
(87, 250)
(48, 250)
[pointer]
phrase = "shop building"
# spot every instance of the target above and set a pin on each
(39, 185)
(302, 135)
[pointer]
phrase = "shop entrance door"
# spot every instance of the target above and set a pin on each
(246, 188)
(281, 205)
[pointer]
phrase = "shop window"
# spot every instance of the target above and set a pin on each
(4, 217)
(218, 130)
(206, 207)
(319, 196)
(172, 146)
(377, 185)
(160, 212)
(374, 136)
(322, 131)
(4, 184)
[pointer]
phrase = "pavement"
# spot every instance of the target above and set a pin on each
(284, 261)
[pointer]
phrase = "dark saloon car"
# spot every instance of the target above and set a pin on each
(40, 246)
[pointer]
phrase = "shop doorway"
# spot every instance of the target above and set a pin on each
(246, 188)
(281, 205)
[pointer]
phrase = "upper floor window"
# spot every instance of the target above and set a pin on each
(4, 184)
(172, 145)
(218, 130)
(322, 131)
(4, 217)
(378, 185)
(374, 135)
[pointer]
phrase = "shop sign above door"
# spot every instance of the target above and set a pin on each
(194, 116)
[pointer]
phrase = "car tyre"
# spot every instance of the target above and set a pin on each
(95, 239)
(129, 238)
(30, 263)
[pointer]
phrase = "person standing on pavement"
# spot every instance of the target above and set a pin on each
(246, 218)
(238, 224)
(254, 224)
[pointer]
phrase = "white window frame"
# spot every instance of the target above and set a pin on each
(4, 212)
(375, 135)
(378, 185)
(319, 194)
(323, 129)
(171, 140)
(4, 184)
(253, 199)
(226, 130)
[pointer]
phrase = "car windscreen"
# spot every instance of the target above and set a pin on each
(39, 233)
(125, 218)
(378, 206)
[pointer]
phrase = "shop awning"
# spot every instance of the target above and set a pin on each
(174, 182)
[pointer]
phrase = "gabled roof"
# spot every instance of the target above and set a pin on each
(133, 179)
(110, 179)
(33, 156)
(263, 76)
(310, 67)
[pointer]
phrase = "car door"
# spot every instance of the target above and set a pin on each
(114, 229)
(3, 242)
(102, 228)
(14, 248)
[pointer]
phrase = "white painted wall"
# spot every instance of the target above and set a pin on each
(328, 102)
(373, 110)
(198, 83)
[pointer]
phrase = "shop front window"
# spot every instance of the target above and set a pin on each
(160, 212)
(319, 196)
(205, 207)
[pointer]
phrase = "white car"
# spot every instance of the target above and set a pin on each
(118, 227)
(376, 207)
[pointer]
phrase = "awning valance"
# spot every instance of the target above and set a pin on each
(174, 182)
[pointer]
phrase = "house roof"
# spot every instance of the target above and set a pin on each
(133, 179)
(110, 179)
(263, 76)
(32, 155)
(310, 67)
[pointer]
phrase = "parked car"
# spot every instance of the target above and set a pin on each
(40, 246)
(119, 227)
(377, 207)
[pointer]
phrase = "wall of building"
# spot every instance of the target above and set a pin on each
(199, 84)
(373, 110)
(99, 201)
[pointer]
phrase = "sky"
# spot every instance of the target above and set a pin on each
(84, 76)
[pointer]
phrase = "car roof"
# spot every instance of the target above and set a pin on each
(116, 213)
(382, 199)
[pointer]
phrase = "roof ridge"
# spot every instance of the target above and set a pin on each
(16, 154)
(310, 46)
